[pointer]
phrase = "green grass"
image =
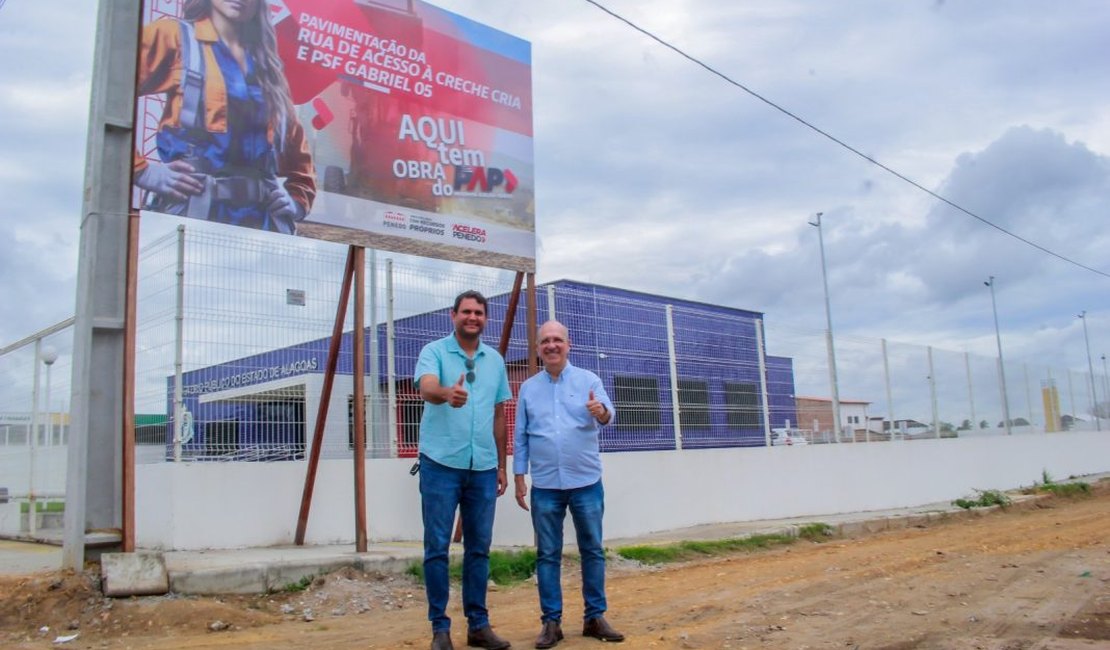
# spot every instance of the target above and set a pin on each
(986, 499)
(1076, 489)
(680, 551)
(1067, 489)
(505, 567)
(43, 506)
(299, 585)
(815, 532)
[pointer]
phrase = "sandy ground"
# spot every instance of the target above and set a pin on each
(1035, 577)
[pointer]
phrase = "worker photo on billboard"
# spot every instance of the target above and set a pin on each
(391, 124)
(228, 146)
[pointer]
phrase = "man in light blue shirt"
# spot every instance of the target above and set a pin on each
(559, 414)
(462, 465)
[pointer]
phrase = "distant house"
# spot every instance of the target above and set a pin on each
(816, 414)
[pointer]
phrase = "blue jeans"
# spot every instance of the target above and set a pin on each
(549, 508)
(474, 493)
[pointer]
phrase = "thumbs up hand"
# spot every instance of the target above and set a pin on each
(456, 394)
(596, 408)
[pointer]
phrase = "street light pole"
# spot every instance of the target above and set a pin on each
(829, 332)
(1001, 364)
(1105, 382)
(49, 356)
(1091, 369)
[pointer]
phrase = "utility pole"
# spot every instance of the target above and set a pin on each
(1001, 364)
(829, 332)
(1091, 369)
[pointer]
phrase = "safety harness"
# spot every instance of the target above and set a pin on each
(238, 189)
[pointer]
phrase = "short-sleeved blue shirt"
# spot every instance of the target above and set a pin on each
(462, 437)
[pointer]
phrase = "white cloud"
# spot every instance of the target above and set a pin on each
(657, 176)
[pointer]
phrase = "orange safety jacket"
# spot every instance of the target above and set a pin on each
(160, 71)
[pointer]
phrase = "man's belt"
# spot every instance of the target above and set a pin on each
(238, 190)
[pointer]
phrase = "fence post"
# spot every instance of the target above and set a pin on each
(833, 384)
(970, 390)
(1028, 393)
(390, 359)
(889, 398)
(933, 393)
(379, 440)
(1071, 398)
(33, 440)
(676, 411)
(178, 348)
(763, 381)
(551, 303)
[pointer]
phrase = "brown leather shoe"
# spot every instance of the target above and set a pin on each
(599, 628)
(550, 635)
(484, 637)
(442, 641)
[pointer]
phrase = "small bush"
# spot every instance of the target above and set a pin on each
(986, 499)
(505, 567)
(815, 532)
(680, 551)
(299, 585)
(1067, 489)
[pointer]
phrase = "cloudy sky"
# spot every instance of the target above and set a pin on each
(654, 174)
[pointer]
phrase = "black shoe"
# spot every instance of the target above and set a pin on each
(550, 636)
(442, 641)
(484, 637)
(599, 628)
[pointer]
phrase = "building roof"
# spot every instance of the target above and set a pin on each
(829, 400)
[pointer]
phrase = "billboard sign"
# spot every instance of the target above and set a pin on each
(390, 124)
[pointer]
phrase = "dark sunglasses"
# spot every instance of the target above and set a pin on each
(470, 371)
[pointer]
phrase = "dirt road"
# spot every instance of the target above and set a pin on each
(1037, 577)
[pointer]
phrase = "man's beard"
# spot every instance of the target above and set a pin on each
(464, 335)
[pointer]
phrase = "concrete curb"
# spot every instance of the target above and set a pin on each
(261, 570)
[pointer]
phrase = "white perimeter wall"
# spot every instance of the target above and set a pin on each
(193, 506)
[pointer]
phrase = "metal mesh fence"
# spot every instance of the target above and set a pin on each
(233, 335)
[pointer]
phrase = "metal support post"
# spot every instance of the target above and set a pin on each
(829, 332)
(763, 382)
(676, 409)
(95, 485)
(391, 358)
(1091, 369)
(1001, 365)
(179, 350)
(970, 390)
(933, 393)
(889, 398)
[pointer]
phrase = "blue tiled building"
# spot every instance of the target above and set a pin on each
(265, 406)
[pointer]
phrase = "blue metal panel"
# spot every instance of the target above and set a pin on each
(614, 332)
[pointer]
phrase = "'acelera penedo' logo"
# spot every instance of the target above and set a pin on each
(469, 233)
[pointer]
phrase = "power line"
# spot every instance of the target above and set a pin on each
(840, 142)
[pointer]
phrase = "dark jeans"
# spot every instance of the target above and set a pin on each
(549, 508)
(442, 489)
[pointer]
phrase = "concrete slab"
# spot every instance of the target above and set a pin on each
(242, 579)
(282, 575)
(21, 558)
(257, 570)
(133, 574)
